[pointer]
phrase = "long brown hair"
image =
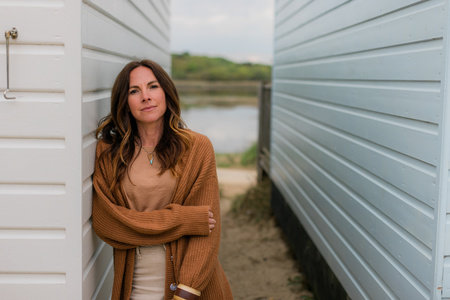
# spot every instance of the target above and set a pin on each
(119, 128)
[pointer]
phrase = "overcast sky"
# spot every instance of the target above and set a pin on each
(241, 30)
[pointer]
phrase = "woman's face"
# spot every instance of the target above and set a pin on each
(146, 98)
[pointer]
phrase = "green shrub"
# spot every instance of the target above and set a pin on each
(192, 67)
(250, 155)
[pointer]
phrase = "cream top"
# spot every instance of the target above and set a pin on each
(148, 190)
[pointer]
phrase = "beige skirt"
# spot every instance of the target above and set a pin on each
(149, 273)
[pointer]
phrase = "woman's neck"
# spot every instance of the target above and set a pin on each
(150, 134)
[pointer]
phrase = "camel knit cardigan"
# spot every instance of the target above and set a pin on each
(191, 251)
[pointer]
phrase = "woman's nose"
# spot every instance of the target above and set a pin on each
(146, 96)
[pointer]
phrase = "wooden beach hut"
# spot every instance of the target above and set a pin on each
(360, 143)
(61, 68)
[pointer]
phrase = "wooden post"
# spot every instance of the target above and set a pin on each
(264, 103)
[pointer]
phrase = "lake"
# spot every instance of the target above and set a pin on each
(230, 129)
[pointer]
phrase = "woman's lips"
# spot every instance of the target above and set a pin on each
(149, 108)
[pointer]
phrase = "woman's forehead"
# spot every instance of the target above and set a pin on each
(142, 74)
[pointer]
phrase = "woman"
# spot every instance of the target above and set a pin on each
(156, 193)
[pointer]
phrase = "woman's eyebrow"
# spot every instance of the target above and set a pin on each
(150, 82)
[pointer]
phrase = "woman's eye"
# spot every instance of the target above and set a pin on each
(154, 86)
(132, 92)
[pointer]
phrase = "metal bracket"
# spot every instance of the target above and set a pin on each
(13, 33)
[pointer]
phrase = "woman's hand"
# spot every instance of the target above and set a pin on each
(212, 221)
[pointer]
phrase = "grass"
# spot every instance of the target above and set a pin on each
(249, 156)
(246, 159)
(254, 204)
(298, 284)
(228, 160)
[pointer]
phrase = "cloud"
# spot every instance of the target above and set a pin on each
(240, 30)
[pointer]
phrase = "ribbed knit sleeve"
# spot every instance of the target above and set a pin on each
(201, 254)
(124, 228)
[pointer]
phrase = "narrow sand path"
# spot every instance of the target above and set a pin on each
(256, 260)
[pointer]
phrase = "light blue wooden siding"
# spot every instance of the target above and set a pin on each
(113, 33)
(357, 136)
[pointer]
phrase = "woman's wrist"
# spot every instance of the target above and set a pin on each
(184, 292)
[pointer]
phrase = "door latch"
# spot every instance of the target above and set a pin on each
(13, 33)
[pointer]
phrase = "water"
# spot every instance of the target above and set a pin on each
(230, 129)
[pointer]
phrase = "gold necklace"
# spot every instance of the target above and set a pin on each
(150, 155)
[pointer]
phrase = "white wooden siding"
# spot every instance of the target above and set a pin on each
(357, 137)
(140, 31)
(39, 235)
(63, 65)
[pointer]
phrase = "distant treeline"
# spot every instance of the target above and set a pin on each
(190, 67)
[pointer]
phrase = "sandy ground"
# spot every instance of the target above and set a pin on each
(256, 260)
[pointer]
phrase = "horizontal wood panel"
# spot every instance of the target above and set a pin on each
(447, 241)
(39, 119)
(105, 285)
(405, 26)
(89, 145)
(416, 62)
(99, 70)
(383, 230)
(446, 278)
(312, 218)
(27, 63)
(165, 4)
(307, 25)
(327, 217)
(33, 211)
(378, 195)
(91, 242)
(389, 167)
(48, 32)
(314, 11)
(86, 212)
(33, 291)
(155, 16)
(34, 166)
(98, 267)
(27, 256)
(448, 191)
(314, 229)
(419, 101)
(142, 22)
(281, 5)
(36, 97)
(291, 9)
(94, 107)
(162, 6)
(96, 34)
(416, 139)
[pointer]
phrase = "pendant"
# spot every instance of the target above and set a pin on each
(150, 158)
